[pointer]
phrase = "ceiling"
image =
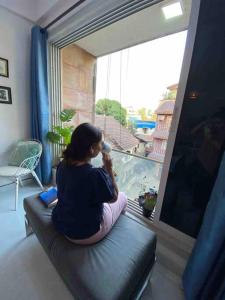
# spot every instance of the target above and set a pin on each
(140, 27)
(29, 9)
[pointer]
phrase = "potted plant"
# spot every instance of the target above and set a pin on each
(147, 201)
(61, 134)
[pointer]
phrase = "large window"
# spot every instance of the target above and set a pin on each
(134, 80)
(129, 94)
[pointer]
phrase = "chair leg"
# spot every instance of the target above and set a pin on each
(17, 192)
(20, 182)
(38, 181)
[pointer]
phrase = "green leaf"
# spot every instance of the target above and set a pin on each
(61, 135)
(57, 129)
(62, 131)
(67, 114)
(150, 202)
(67, 139)
(53, 137)
(111, 108)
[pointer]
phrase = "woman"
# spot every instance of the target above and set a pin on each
(88, 199)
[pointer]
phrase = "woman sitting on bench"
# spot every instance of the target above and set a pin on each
(88, 199)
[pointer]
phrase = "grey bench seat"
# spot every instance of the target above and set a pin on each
(115, 268)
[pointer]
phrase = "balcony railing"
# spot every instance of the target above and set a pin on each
(134, 174)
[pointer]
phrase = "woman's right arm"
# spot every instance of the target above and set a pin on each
(107, 165)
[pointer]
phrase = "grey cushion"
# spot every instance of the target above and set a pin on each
(115, 268)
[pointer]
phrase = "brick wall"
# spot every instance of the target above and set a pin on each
(77, 83)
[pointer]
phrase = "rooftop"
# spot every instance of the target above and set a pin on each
(173, 87)
(156, 156)
(165, 107)
(161, 134)
(145, 137)
(115, 133)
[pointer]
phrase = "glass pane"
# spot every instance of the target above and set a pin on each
(133, 173)
(200, 139)
(135, 95)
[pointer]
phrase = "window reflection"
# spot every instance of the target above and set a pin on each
(200, 137)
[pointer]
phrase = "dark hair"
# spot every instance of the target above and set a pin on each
(83, 137)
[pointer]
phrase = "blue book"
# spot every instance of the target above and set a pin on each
(49, 197)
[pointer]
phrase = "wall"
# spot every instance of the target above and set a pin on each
(15, 46)
(77, 82)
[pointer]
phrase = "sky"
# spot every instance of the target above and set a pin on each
(138, 76)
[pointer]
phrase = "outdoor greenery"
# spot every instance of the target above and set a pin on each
(131, 126)
(61, 135)
(170, 95)
(147, 197)
(150, 201)
(111, 108)
(143, 113)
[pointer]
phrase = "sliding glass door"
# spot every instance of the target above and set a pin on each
(200, 136)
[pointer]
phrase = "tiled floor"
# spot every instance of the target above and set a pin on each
(26, 272)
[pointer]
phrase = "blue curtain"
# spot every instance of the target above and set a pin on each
(39, 99)
(204, 276)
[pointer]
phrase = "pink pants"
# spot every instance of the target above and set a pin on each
(111, 213)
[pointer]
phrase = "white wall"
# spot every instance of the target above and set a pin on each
(15, 46)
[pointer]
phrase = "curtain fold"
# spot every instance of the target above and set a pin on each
(40, 100)
(204, 276)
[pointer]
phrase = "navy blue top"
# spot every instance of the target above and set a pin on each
(81, 193)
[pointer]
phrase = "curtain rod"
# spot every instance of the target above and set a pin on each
(64, 14)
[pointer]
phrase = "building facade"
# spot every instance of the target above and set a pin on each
(164, 118)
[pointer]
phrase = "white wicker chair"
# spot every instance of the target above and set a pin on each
(23, 161)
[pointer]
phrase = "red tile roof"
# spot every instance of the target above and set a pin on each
(160, 134)
(145, 137)
(115, 133)
(165, 107)
(173, 87)
(156, 156)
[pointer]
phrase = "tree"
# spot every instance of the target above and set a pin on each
(149, 112)
(111, 108)
(170, 95)
(142, 113)
(131, 126)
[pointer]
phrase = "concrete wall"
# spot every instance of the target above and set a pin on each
(77, 83)
(15, 46)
